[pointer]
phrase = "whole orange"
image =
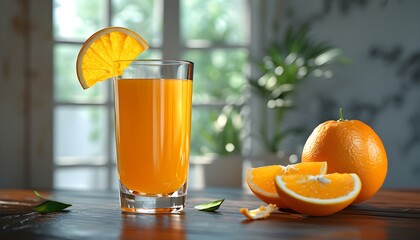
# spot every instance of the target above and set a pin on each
(349, 146)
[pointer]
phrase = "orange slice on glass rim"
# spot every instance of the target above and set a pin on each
(318, 195)
(95, 62)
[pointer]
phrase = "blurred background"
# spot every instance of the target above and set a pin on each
(266, 74)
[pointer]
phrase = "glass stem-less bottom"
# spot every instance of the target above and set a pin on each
(133, 202)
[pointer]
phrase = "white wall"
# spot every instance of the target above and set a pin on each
(370, 88)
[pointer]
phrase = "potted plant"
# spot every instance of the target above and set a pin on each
(287, 63)
(224, 147)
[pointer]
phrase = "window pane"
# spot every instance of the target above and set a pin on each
(114, 182)
(218, 74)
(214, 21)
(113, 147)
(150, 54)
(66, 86)
(215, 131)
(81, 178)
(143, 17)
(202, 129)
(78, 19)
(80, 132)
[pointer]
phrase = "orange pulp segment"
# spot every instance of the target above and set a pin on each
(260, 213)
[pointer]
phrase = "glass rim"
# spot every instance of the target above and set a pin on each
(156, 62)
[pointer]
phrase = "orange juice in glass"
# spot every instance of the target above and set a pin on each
(153, 102)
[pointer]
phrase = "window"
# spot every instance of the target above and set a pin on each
(214, 34)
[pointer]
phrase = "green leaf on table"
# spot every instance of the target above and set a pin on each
(209, 206)
(49, 206)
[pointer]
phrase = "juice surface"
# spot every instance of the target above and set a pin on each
(153, 128)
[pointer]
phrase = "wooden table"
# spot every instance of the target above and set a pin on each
(390, 214)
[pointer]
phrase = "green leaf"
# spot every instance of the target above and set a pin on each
(210, 206)
(327, 56)
(49, 206)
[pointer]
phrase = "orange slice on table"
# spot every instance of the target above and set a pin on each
(95, 61)
(318, 195)
(261, 180)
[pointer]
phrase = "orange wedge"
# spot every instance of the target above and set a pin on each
(95, 61)
(318, 195)
(261, 180)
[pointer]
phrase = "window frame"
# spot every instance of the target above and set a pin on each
(41, 166)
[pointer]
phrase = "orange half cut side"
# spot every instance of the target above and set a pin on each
(318, 195)
(260, 180)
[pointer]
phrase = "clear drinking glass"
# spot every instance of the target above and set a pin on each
(153, 102)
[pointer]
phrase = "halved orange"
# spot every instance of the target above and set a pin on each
(318, 195)
(95, 61)
(261, 179)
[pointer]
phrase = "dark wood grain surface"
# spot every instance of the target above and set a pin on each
(390, 214)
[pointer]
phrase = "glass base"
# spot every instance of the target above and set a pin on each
(133, 202)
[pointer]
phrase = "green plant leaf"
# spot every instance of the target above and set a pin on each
(327, 56)
(49, 206)
(210, 206)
